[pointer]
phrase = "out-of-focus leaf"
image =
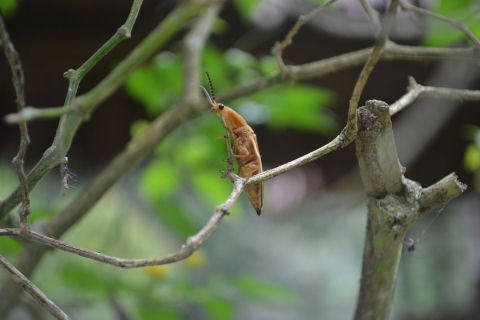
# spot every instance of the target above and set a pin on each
(89, 279)
(40, 213)
(443, 34)
(8, 7)
(147, 313)
(246, 7)
(298, 107)
(176, 219)
(9, 246)
(195, 150)
(211, 187)
(471, 159)
(239, 59)
(158, 84)
(257, 289)
(267, 66)
(138, 126)
(218, 308)
(159, 180)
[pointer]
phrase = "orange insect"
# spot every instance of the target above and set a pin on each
(245, 146)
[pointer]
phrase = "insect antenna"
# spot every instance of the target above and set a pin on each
(211, 88)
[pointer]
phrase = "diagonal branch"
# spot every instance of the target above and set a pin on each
(351, 127)
(316, 69)
(86, 103)
(278, 48)
(33, 290)
(135, 151)
(186, 250)
(18, 80)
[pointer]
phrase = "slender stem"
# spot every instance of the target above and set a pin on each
(186, 250)
(351, 128)
(70, 122)
(278, 48)
(372, 15)
(416, 91)
(18, 80)
(458, 25)
(33, 290)
(316, 69)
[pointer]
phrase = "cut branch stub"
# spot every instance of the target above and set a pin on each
(376, 152)
(394, 203)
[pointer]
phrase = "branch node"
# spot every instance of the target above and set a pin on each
(69, 74)
(124, 32)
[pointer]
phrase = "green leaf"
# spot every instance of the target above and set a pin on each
(246, 7)
(138, 126)
(218, 308)
(195, 151)
(471, 159)
(149, 313)
(257, 289)
(297, 107)
(267, 66)
(175, 218)
(9, 246)
(211, 187)
(159, 180)
(158, 84)
(8, 7)
(83, 278)
(443, 34)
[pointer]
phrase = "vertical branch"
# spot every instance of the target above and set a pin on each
(33, 290)
(394, 203)
(351, 128)
(18, 81)
(278, 48)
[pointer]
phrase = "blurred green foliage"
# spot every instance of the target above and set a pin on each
(441, 34)
(8, 7)
(189, 160)
(471, 159)
(182, 181)
(245, 8)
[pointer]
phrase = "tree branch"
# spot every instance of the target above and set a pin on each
(135, 151)
(33, 290)
(372, 15)
(457, 25)
(394, 203)
(18, 80)
(278, 48)
(186, 250)
(70, 122)
(416, 91)
(374, 57)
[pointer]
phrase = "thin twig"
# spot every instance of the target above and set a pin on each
(372, 15)
(124, 32)
(33, 290)
(416, 91)
(278, 48)
(186, 250)
(351, 127)
(316, 69)
(86, 103)
(18, 80)
(458, 25)
(193, 45)
(136, 150)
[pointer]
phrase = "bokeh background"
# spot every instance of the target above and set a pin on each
(302, 258)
